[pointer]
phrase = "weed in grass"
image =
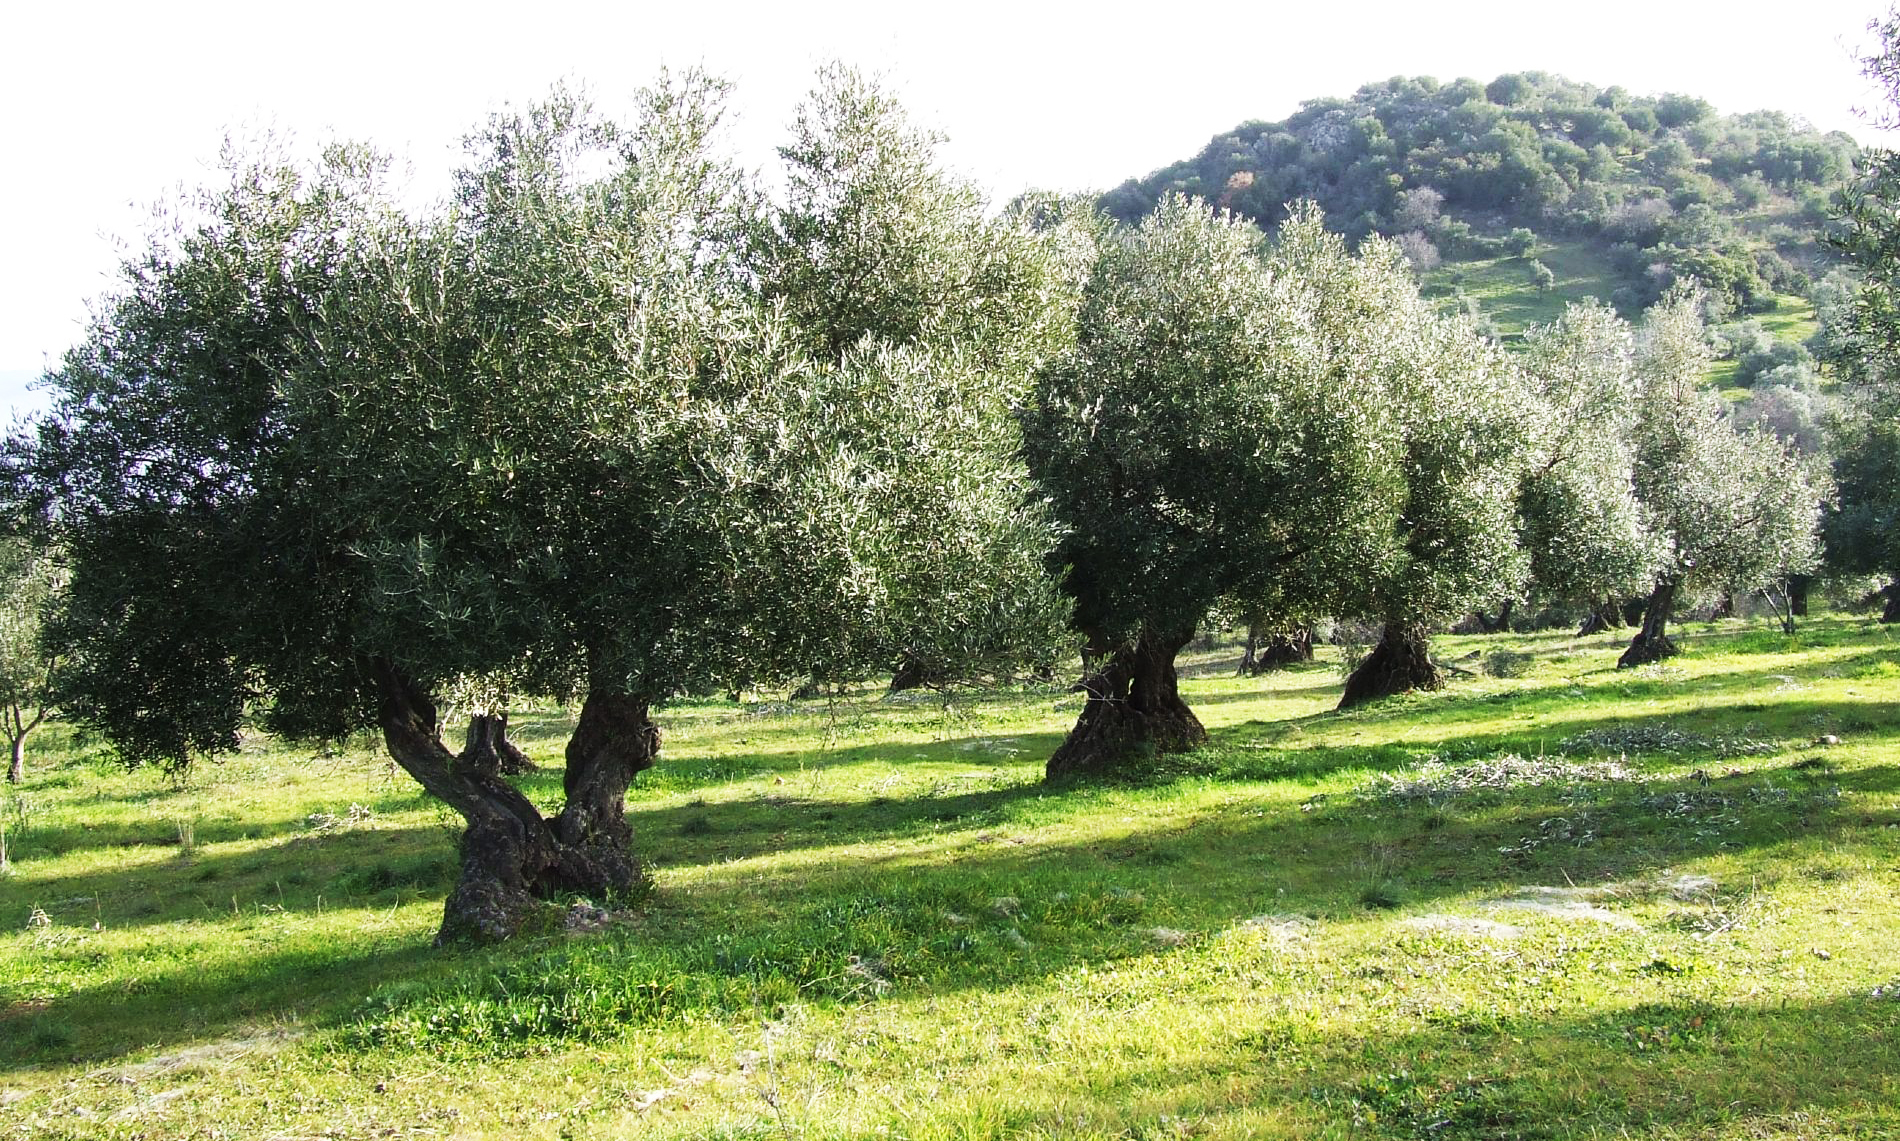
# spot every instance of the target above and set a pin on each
(1382, 894)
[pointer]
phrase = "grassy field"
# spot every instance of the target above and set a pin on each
(1554, 900)
(1504, 289)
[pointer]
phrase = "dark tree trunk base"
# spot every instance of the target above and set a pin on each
(1282, 647)
(1891, 612)
(1400, 663)
(1798, 587)
(912, 673)
(487, 745)
(1134, 707)
(1603, 617)
(1643, 650)
(514, 859)
(1499, 625)
(1285, 648)
(1651, 643)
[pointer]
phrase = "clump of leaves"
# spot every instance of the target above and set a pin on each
(1436, 782)
(1507, 663)
(1663, 738)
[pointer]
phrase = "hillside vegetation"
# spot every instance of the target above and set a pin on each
(1560, 189)
(1553, 901)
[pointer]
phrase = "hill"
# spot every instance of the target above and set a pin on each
(1532, 190)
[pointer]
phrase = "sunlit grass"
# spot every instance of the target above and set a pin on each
(873, 920)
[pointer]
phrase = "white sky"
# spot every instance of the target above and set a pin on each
(111, 107)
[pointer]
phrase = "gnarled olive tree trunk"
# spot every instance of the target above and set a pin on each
(1604, 615)
(1400, 663)
(1134, 705)
(913, 672)
(1499, 625)
(488, 734)
(1272, 648)
(1651, 643)
(513, 858)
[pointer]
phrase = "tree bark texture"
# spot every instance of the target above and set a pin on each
(614, 740)
(1134, 706)
(1604, 615)
(1651, 643)
(1499, 625)
(487, 743)
(913, 673)
(1400, 663)
(18, 726)
(513, 858)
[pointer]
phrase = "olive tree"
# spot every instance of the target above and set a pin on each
(1730, 509)
(1863, 526)
(1461, 410)
(323, 462)
(1578, 517)
(30, 581)
(1863, 530)
(1218, 431)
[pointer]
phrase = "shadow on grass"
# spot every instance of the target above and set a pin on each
(1275, 751)
(1031, 907)
(805, 922)
(358, 867)
(196, 1001)
(1668, 1067)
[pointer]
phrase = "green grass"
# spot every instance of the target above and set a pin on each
(873, 920)
(1504, 290)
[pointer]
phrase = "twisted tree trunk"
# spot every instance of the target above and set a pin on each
(913, 672)
(1499, 625)
(1798, 587)
(614, 740)
(1604, 615)
(18, 725)
(1134, 706)
(1249, 657)
(512, 857)
(1400, 663)
(1285, 647)
(488, 736)
(1651, 643)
